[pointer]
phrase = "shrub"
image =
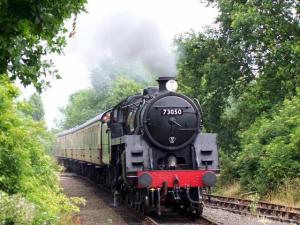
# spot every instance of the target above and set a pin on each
(28, 176)
(271, 149)
(15, 209)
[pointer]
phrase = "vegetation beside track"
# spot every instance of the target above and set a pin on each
(29, 188)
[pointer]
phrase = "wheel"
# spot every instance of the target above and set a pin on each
(196, 210)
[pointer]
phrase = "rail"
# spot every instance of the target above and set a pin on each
(260, 208)
(176, 220)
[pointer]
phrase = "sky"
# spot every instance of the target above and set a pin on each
(100, 32)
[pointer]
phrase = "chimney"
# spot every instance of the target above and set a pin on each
(162, 81)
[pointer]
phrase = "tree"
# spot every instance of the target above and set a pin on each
(208, 70)
(245, 67)
(80, 108)
(88, 103)
(271, 149)
(33, 107)
(29, 32)
(123, 88)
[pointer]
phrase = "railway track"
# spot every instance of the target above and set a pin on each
(260, 208)
(172, 220)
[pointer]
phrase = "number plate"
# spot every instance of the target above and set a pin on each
(171, 112)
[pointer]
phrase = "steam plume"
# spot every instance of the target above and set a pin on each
(125, 37)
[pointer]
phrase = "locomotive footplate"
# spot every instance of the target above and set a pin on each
(175, 178)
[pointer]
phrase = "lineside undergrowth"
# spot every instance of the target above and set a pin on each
(29, 188)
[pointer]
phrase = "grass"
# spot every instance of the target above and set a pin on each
(288, 194)
(230, 190)
(70, 219)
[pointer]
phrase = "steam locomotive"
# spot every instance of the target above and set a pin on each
(149, 150)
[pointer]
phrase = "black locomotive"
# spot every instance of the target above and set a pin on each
(158, 155)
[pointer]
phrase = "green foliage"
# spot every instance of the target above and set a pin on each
(80, 108)
(271, 149)
(88, 103)
(33, 107)
(207, 70)
(268, 34)
(121, 89)
(15, 210)
(29, 31)
(256, 41)
(28, 175)
(253, 205)
(229, 170)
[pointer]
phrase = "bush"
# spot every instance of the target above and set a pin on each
(228, 167)
(271, 149)
(15, 209)
(28, 175)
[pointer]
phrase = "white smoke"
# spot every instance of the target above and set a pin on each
(126, 37)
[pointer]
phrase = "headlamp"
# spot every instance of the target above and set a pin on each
(171, 85)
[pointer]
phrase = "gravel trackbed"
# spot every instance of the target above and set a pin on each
(97, 210)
